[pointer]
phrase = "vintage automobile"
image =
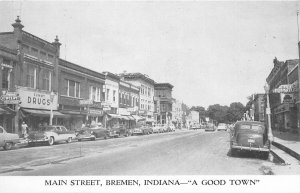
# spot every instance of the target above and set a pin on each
(142, 130)
(172, 128)
(92, 132)
(250, 136)
(157, 128)
(210, 127)
(222, 127)
(50, 134)
(118, 131)
(195, 126)
(8, 140)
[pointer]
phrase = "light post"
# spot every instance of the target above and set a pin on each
(268, 112)
(51, 110)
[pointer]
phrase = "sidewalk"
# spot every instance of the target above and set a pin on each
(287, 142)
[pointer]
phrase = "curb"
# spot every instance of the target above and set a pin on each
(277, 157)
(287, 150)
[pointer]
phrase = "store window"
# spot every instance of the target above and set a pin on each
(107, 94)
(31, 77)
(46, 80)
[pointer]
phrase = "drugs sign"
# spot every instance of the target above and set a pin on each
(286, 88)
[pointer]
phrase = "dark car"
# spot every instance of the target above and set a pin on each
(118, 131)
(142, 130)
(209, 127)
(250, 136)
(92, 132)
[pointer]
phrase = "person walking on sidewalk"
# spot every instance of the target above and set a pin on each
(24, 129)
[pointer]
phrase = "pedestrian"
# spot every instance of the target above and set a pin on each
(24, 129)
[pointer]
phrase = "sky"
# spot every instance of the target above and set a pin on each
(211, 52)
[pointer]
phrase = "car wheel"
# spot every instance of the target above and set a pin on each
(69, 140)
(105, 137)
(8, 146)
(93, 138)
(79, 140)
(51, 141)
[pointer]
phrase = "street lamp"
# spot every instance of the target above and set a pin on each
(268, 112)
(51, 110)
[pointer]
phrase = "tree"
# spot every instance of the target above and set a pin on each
(235, 112)
(218, 113)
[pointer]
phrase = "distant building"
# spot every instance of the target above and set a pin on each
(177, 113)
(111, 90)
(146, 91)
(163, 102)
(257, 111)
(192, 118)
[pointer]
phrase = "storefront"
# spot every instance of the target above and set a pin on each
(36, 107)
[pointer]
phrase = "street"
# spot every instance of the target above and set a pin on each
(177, 153)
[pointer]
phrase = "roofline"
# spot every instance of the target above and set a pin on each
(111, 75)
(88, 71)
(164, 84)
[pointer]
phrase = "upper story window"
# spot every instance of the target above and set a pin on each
(114, 96)
(43, 55)
(107, 94)
(34, 51)
(46, 80)
(31, 77)
(95, 93)
(72, 88)
(5, 78)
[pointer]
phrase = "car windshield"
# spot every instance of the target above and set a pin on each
(222, 124)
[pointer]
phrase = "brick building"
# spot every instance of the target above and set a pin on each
(80, 94)
(163, 102)
(283, 107)
(29, 69)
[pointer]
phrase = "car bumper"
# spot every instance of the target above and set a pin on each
(85, 137)
(243, 148)
(37, 140)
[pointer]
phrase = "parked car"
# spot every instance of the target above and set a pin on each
(222, 127)
(210, 127)
(118, 131)
(142, 130)
(172, 127)
(250, 136)
(157, 128)
(8, 140)
(195, 126)
(50, 135)
(91, 133)
(165, 128)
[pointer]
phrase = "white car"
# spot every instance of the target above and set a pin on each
(222, 127)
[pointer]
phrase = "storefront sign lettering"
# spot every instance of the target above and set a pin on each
(37, 99)
(10, 98)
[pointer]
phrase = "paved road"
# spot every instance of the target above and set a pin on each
(178, 153)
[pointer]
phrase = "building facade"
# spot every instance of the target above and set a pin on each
(29, 70)
(283, 104)
(163, 102)
(177, 117)
(111, 90)
(80, 95)
(146, 92)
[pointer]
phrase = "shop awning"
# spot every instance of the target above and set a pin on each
(116, 116)
(150, 120)
(130, 118)
(125, 117)
(138, 118)
(4, 110)
(44, 113)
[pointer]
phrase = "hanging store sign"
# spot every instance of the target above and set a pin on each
(10, 98)
(287, 88)
(85, 102)
(287, 98)
(37, 99)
